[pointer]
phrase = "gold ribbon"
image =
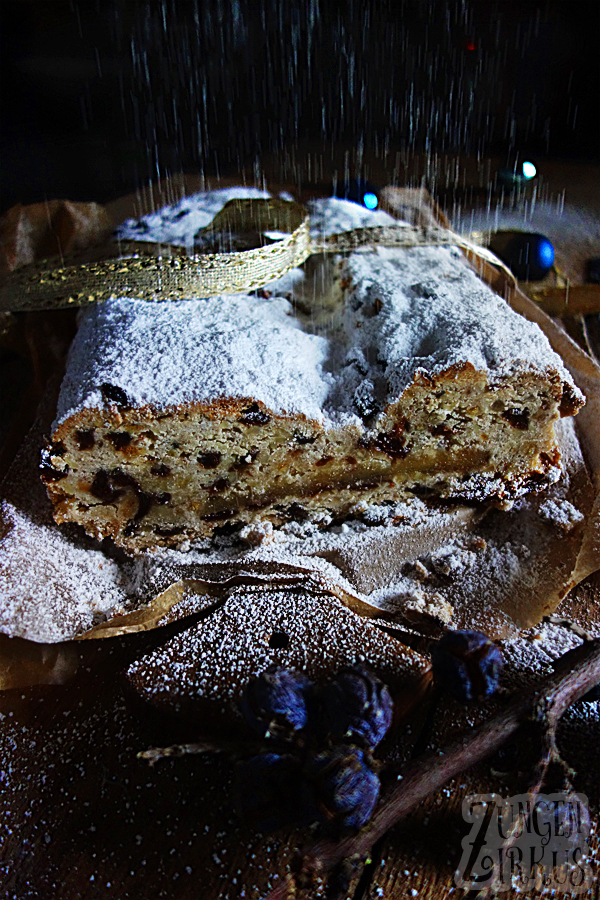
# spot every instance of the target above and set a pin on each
(158, 272)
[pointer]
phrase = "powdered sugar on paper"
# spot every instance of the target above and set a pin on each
(214, 660)
(51, 589)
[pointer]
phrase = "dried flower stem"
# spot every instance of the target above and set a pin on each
(234, 749)
(544, 703)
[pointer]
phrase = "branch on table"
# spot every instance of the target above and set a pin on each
(543, 704)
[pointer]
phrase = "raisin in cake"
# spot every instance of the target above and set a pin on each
(371, 377)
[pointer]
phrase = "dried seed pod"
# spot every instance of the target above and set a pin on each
(356, 706)
(467, 663)
(270, 792)
(345, 787)
(276, 703)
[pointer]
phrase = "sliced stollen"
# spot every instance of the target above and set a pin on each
(377, 376)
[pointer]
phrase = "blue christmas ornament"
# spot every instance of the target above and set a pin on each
(545, 253)
(358, 191)
(528, 255)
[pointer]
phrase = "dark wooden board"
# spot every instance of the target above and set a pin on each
(84, 818)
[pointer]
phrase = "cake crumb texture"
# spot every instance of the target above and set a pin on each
(375, 376)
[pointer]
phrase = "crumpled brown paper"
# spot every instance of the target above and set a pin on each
(55, 228)
(24, 663)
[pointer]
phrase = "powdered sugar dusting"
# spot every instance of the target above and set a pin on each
(333, 216)
(561, 513)
(215, 659)
(180, 222)
(164, 355)
(533, 652)
(50, 588)
(433, 313)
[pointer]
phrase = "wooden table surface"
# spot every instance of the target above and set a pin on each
(83, 817)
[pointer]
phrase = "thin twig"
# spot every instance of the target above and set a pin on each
(234, 749)
(544, 703)
(424, 735)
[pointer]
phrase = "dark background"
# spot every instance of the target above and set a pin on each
(100, 96)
